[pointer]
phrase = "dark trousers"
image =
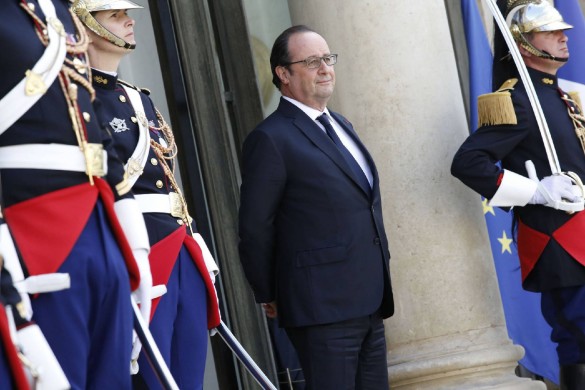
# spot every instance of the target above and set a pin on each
(344, 355)
(564, 310)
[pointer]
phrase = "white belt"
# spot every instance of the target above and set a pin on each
(46, 156)
(154, 203)
(161, 203)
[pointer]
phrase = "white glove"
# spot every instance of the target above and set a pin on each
(554, 188)
(557, 191)
(132, 223)
(207, 257)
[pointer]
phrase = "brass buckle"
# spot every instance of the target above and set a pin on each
(178, 209)
(176, 205)
(94, 160)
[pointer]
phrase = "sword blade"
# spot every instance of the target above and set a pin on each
(244, 357)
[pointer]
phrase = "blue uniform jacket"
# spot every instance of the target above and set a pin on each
(119, 117)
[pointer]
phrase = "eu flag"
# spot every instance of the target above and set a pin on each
(524, 320)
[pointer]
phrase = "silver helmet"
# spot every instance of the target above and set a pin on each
(527, 16)
(84, 9)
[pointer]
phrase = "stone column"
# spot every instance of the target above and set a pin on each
(397, 83)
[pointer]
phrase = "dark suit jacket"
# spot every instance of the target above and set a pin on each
(311, 238)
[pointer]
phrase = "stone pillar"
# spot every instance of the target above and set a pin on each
(397, 83)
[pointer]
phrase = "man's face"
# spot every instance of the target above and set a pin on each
(312, 87)
(118, 23)
(551, 42)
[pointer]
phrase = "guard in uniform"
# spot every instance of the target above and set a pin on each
(60, 180)
(179, 257)
(549, 239)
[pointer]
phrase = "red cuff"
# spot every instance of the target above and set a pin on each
(500, 178)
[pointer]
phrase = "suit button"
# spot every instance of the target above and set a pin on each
(377, 241)
(159, 184)
(122, 98)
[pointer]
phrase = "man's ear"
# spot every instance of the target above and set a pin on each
(282, 73)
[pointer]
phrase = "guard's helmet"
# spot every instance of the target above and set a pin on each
(527, 16)
(84, 9)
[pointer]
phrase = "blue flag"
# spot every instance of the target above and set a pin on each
(524, 320)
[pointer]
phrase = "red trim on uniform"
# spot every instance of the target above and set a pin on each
(46, 228)
(159, 256)
(161, 267)
(213, 315)
(500, 178)
(570, 237)
(107, 197)
(18, 377)
(531, 243)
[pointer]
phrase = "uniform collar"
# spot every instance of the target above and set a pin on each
(543, 78)
(103, 80)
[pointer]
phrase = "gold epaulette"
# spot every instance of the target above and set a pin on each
(143, 90)
(496, 108)
(575, 97)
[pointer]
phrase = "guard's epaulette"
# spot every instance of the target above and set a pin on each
(143, 90)
(576, 98)
(496, 108)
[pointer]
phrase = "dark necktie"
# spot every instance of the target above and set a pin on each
(351, 161)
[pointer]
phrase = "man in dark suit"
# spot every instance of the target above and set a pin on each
(312, 240)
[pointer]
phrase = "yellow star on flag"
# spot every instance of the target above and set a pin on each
(505, 241)
(487, 208)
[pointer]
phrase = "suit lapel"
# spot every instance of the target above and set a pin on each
(349, 130)
(311, 130)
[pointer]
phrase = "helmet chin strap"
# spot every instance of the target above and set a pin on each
(539, 53)
(114, 39)
(551, 57)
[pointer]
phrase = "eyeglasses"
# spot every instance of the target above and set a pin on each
(315, 62)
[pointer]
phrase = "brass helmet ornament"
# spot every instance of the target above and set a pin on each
(84, 9)
(527, 16)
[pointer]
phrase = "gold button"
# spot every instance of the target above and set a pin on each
(122, 98)
(86, 116)
(31, 6)
(180, 221)
(159, 184)
(154, 161)
(133, 119)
